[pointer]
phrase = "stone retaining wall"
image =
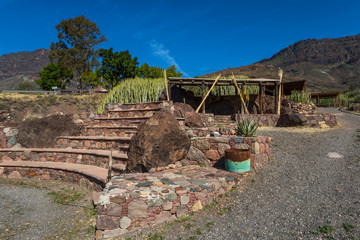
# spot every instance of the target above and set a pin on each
(50, 174)
(118, 145)
(8, 137)
(139, 200)
(86, 159)
(213, 149)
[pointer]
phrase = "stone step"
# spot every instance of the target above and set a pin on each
(125, 121)
(109, 131)
(93, 157)
(132, 106)
(146, 112)
(98, 173)
(120, 144)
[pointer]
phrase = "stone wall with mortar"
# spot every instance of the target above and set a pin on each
(8, 137)
(50, 174)
(138, 200)
(211, 150)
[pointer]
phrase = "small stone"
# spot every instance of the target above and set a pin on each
(200, 195)
(213, 155)
(134, 195)
(222, 147)
(255, 148)
(118, 199)
(155, 202)
(167, 206)
(114, 209)
(15, 175)
(181, 211)
(242, 146)
(113, 233)
(171, 196)
(178, 164)
(163, 217)
(98, 235)
(125, 222)
(172, 166)
(197, 206)
(144, 184)
(137, 209)
(232, 132)
(229, 179)
(95, 197)
(184, 200)
(107, 222)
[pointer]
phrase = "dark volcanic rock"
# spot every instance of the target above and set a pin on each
(192, 118)
(158, 143)
(43, 132)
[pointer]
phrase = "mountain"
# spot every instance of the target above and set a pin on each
(21, 66)
(331, 64)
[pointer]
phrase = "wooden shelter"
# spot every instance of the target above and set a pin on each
(333, 95)
(203, 83)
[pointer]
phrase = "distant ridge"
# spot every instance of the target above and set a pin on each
(21, 66)
(330, 64)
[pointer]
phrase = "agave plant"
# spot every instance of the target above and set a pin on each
(246, 127)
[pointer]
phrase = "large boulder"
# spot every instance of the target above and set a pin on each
(158, 143)
(182, 110)
(288, 117)
(42, 133)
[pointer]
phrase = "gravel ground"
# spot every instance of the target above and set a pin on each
(27, 211)
(303, 193)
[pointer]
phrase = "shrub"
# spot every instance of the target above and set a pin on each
(246, 127)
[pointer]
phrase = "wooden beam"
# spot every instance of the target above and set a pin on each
(261, 97)
(276, 95)
(239, 92)
(166, 86)
(202, 96)
(280, 72)
(216, 80)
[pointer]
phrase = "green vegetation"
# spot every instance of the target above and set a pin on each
(225, 210)
(54, 75)
(133, 91)
(66, 196)
(246, 127)
(183, 219)
(117, 66)
(26, 85)
(76, 48)
(353, 94)
(348, 227)
(326, 229)
(156, 236)
(225, 90)
(299, 96)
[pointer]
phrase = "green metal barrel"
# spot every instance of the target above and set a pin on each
(237, 160)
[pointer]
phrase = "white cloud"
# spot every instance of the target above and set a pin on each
(160, 50)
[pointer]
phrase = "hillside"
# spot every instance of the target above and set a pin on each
(21, 66)
(331, 64)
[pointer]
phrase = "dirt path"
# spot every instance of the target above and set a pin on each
(44, 210)
(310, 190)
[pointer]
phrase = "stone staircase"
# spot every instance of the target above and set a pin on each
(103, 137)
(224, 121)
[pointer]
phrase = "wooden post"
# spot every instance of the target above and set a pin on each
(166, 86)
(241, 96)
(280, 72)
(216, 80)
(203, 95)
(110, 165)
(261, 97)
(276, 87)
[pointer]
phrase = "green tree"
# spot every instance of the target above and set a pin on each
(172, 72)
(54, 75)
(76, 48)
(117, 66)
(26, 85)
(145, 71)
(92, 78)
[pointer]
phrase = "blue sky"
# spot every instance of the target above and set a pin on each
(197, 36)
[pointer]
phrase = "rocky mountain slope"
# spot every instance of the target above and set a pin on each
(331, 64)
(21, 66)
